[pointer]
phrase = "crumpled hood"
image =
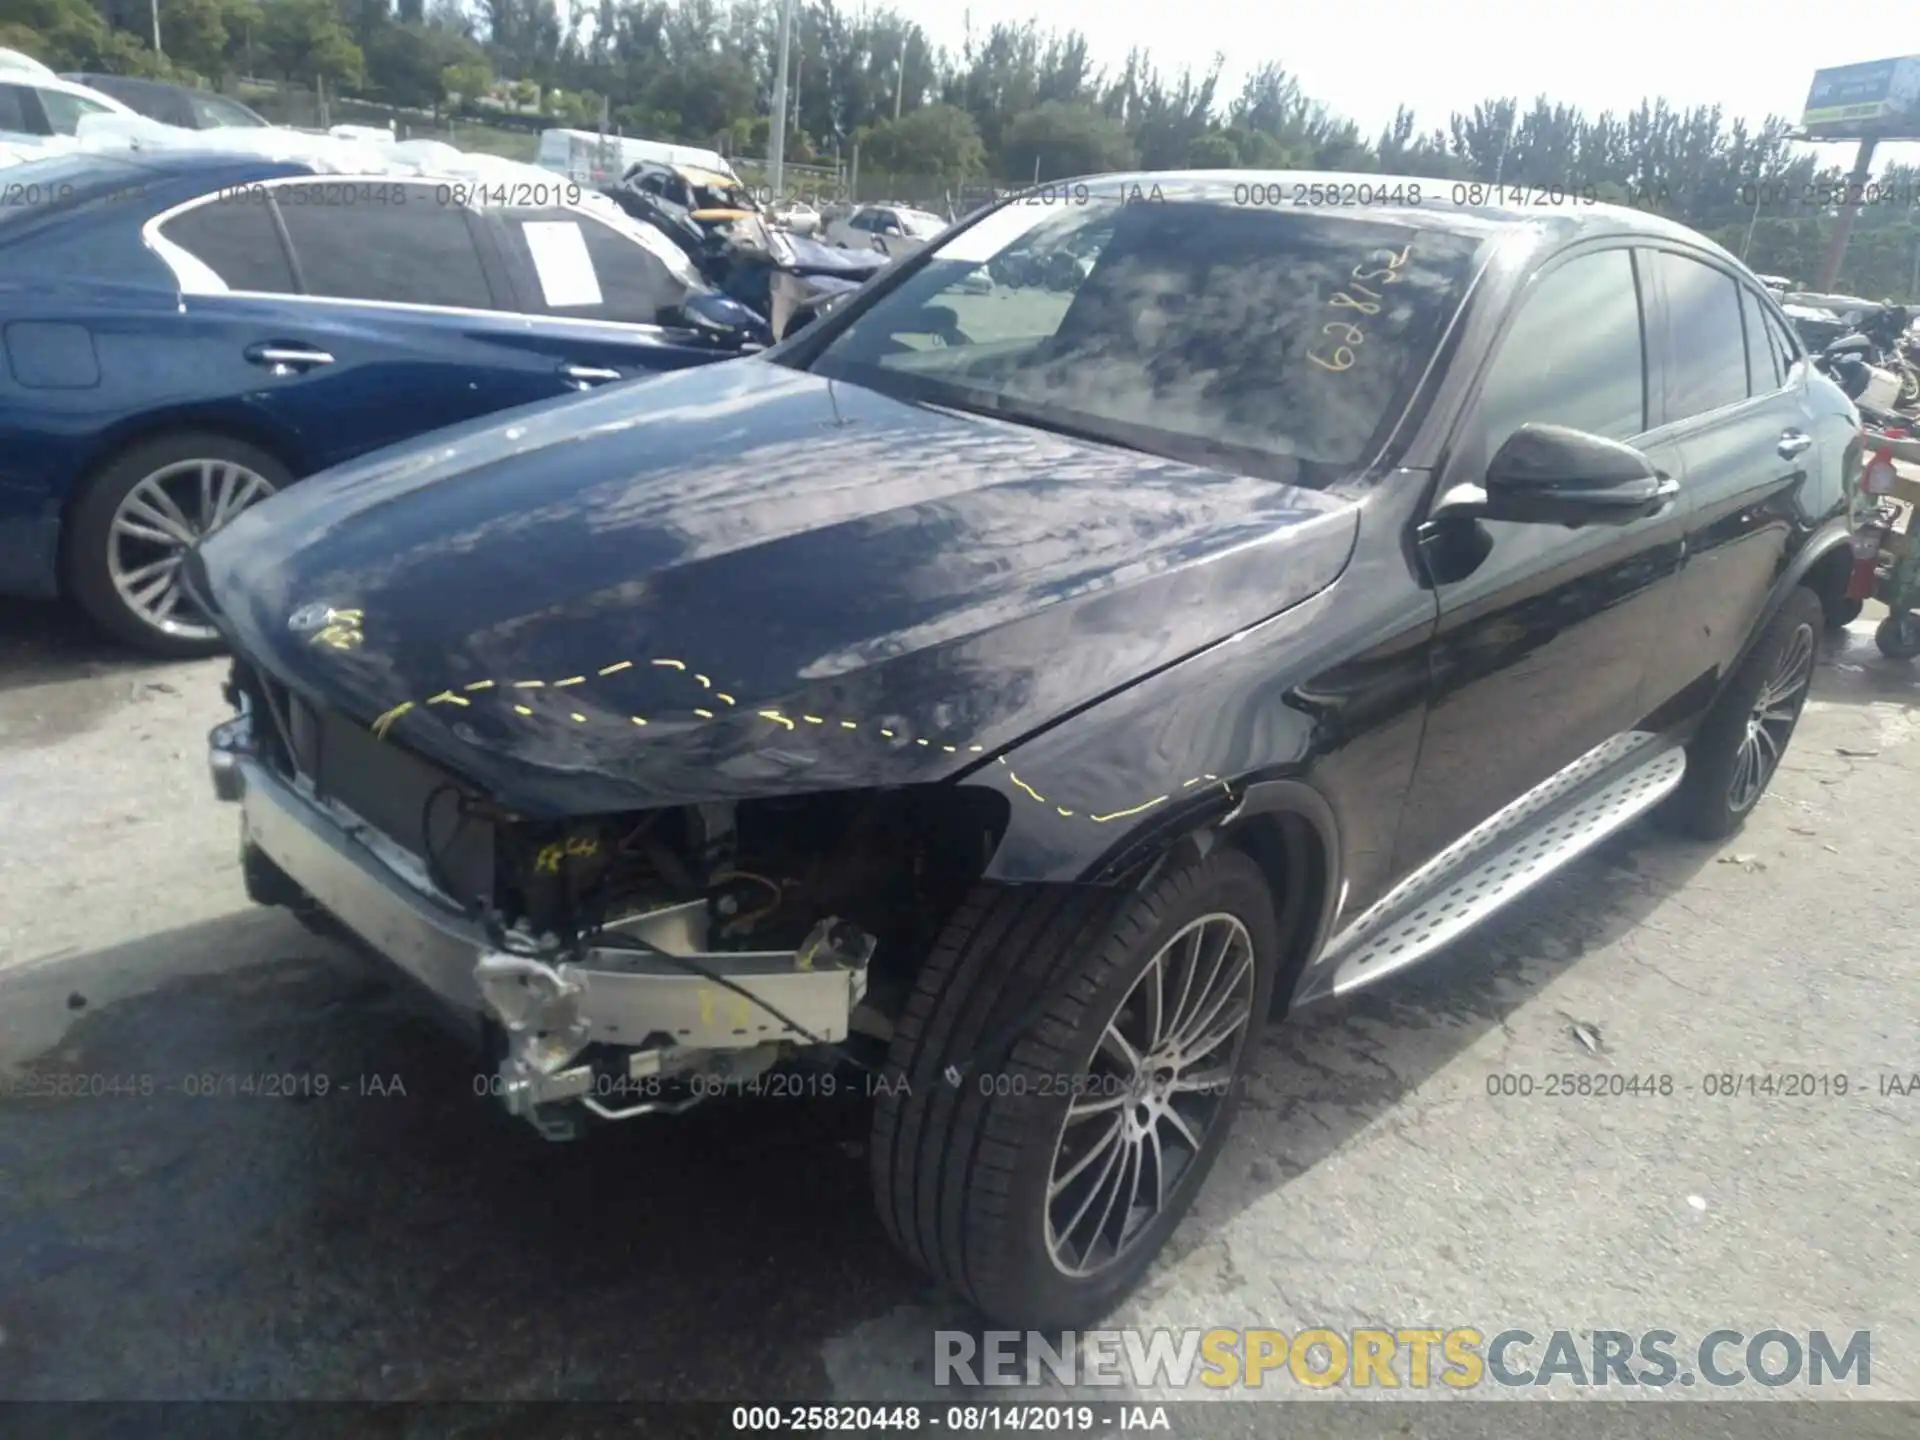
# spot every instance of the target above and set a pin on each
(743, 580)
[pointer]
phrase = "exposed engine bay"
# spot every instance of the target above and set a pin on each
(625, 963)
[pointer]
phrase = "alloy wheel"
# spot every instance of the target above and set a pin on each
(161, 519)
(1770, 723)
(1156, 1084)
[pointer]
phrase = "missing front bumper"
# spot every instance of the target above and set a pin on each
(650, 989)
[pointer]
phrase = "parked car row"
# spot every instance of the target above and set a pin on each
(1016, 697)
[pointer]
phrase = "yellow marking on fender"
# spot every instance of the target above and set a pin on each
(777, 718)
(1189, 784)
(1122, 814)
(848, 725)
(977, 749)
(579, 718)
(721, 694)
(523, 710)
(528, 684)
(570, 680)
(1063, 810)
(481, 685)
(671, 664)
(1026, 787)
(385, 722)
(920, 742)
(887, 733)
(636, 720)
(447, 697)
(705, 684)
(615, 669)
(813, 719)
(951, 749)
(703, 714)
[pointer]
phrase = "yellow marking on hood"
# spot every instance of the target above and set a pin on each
(703, 714)
(636, 720)
(887, 733)
(813, 719)
(528, 684)
(721, 694)
(705, 684)
(523, 710)
(777, 718)
(447, 697)
(1122, 814)
(481, 685)
(616, 668)
(570, 680)
(849, 725)
(671, 664)
(385, 722)
(1026, 787)
(579, 718)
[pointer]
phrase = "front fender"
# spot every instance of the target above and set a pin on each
(1177, 751)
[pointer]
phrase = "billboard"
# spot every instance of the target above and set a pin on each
(1880, 97)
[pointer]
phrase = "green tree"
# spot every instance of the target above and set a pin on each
(936, 140)
(1056, 140)
(305, 40)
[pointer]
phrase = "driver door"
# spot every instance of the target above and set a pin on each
(1540, 654)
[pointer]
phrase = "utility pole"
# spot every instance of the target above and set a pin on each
(156, 30)
(1849, 207)
(900, 79)
(777, 141)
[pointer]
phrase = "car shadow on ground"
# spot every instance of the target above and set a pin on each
(201, 1221)
(46, 642)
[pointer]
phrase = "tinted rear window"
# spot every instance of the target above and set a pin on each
(1284, 340)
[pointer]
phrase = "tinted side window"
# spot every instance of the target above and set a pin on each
(1574, 354)
(19, 114)
(1764, 372)
(1706, 349)
(356, 243)
(236, 240)
(585, 270)
(64, 110)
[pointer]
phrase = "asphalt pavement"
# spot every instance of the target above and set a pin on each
(198, 1225)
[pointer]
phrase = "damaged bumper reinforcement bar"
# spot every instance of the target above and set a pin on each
(653, 990)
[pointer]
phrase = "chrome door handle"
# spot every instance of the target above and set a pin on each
(589, 374)
(1794, 442)
(290, 357)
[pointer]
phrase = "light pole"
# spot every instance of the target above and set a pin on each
(156, 29)
(777, 141)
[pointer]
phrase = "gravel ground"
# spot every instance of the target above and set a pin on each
(399, 1240)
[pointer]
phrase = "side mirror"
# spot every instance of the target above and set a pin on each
(1553, 475)
(892, 230)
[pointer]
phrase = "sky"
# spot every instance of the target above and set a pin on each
(1365, 59)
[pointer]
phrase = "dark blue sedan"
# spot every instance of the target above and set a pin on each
(182, 334)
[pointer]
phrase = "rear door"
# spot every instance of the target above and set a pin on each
(1746, 435)
(1540, 653)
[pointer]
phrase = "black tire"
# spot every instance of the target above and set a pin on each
(1710, 804)
(961, 1174)
(1843, 613)
(89, 578)
(1898, 636)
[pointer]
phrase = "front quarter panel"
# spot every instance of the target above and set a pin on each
(1330, 692)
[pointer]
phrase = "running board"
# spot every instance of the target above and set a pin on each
(1381, 942)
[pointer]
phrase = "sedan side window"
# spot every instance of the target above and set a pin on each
(584, 269)
(1764, 371)
(19, 114)
(361, 240)
(1706, 350)
(237, 240)
(64, 111)
(1574, 355)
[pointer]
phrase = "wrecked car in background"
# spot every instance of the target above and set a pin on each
(995, 703)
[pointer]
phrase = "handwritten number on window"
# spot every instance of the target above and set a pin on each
(1359, 298)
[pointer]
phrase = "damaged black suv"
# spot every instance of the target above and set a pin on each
(1024, 681)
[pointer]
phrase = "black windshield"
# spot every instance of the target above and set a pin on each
(1271, 340)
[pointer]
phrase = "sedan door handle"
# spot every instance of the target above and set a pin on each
(287, 357)
(1794, 442)
(589, 374)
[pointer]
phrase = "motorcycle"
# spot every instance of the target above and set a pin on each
(1886, 557)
